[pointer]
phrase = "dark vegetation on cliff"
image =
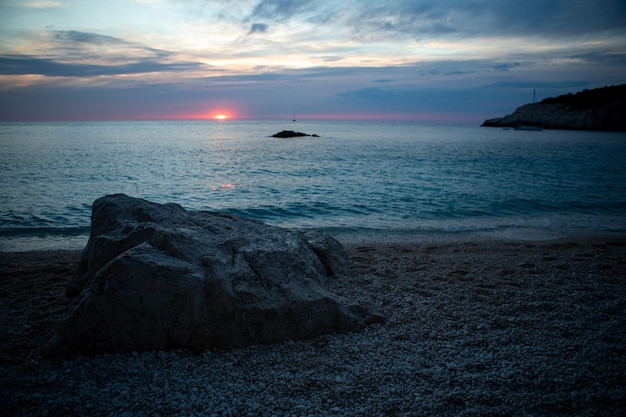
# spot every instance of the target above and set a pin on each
(598, 109)
(590, 98)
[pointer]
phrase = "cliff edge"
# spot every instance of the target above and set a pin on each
(597, 109)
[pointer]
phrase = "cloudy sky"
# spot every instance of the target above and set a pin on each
(434, 60)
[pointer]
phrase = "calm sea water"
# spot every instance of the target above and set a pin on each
(356, 178)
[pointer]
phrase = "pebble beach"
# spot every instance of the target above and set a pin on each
(473, 328)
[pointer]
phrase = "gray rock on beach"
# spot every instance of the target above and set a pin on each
(156, 277)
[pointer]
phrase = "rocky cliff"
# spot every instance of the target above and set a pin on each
(597, 109)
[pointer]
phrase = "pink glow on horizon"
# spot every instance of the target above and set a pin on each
(232, 115)
(422, 117)
(218, 114)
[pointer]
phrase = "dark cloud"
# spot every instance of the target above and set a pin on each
(558, 17)
(149, 101)
(420, 19)
(323, 91)
(578, 46)
(81, 44)
(404, 18)
(92, 103)
(255, 78)
(86, 37)
(280, 9)
(21, 65)
(452, 18)
(613, 59)
(505, 66)
(547, 85)
(258, 28)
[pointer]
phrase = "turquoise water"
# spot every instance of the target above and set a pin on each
(357, 177)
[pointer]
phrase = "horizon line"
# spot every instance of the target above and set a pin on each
(427, 118)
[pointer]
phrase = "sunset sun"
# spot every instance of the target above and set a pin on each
(220, 117)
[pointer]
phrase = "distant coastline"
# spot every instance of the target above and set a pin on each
(597, 109)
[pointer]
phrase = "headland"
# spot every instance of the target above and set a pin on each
(597, 109)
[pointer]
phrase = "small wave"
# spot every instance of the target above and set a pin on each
(520, 205)
(263, 213)
(304, 211)
(523, 206)
(40, 218)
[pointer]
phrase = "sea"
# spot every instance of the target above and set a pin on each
(357, 180)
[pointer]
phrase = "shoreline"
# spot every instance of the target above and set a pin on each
(375, 237)
(489, 327)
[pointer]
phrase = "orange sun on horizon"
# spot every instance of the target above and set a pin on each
(221, 116)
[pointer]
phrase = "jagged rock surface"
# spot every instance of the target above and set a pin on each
(600, 109)
(155, 277)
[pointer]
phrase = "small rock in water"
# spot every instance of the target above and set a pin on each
(291, 134)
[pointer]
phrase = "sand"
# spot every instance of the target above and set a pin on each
(473, 328)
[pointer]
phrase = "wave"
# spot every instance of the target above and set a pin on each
(526, 206)
(295, 210)
(358, 178)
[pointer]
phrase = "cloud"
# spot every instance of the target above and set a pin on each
(331, 58)
(23, 65)
(81, 45)
(280, 9)
(551, 85)
(558, 17)
(320, 91)
(460, 18)
(258, 28)
(613, 59)
(41, 4)
(86, 37)
(317, 56)
(531, 24)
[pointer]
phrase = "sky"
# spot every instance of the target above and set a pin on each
(423, 60)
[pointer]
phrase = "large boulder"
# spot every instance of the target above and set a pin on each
(157, 276)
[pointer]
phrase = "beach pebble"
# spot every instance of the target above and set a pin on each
(500, 344)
